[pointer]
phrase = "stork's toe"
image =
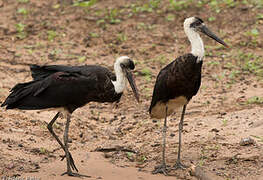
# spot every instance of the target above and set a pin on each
(161, 169)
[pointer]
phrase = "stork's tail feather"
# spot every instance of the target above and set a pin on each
(39, 72)
(18, 92)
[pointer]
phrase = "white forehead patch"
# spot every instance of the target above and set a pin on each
(189, 21)
(122, 59)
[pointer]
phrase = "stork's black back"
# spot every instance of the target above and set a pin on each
(182, 77)
(63, 86)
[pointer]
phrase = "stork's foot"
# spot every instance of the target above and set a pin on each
(179, 165)
(161, 169)
(72, 163)
(70, 173)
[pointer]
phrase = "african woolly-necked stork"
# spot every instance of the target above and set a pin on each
(71, 87)
(179, 81)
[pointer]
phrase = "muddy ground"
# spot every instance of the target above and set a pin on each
(227, 108)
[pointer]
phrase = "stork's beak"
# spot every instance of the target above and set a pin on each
(206, 31)
(132, 83)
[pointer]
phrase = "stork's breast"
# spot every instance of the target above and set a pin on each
(158, 111)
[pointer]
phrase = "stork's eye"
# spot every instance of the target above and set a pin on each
(128, 64)
(195, 24)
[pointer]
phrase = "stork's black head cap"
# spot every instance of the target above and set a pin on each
(131, 64)
(198, 21)
(125, 62)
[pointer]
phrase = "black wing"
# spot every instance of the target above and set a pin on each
(41, 72)
(160, 87)
(62, 89)
(182, 77)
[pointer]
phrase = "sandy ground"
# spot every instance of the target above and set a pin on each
(227, 109)
(99, 169)
(206, 140)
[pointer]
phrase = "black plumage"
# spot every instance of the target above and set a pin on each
(62, 86)
(182, 77)
(178, 82)
(71, 87)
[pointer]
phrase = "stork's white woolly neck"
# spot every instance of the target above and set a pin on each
(197, 44)
(121, 80)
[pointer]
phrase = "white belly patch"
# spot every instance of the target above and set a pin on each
(158, 111)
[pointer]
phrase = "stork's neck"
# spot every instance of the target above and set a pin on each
(120, 83)
(197, 44)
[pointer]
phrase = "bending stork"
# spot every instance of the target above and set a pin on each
(68, 88)
(179, 81)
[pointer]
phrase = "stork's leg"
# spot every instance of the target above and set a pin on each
(178, 161)
(50, 128)
(68, 156)
(163, 168)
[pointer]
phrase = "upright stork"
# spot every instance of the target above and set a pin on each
(68, 88)
(179, 81)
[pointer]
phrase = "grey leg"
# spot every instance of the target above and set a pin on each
(164, 136)
(163, 168)
(178, 161)
(68, 156)
(50, 128)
